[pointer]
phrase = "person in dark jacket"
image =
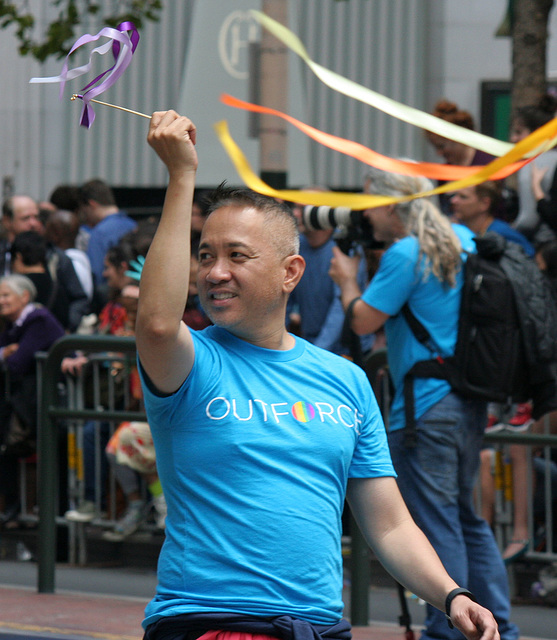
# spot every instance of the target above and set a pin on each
(29, 328)
(537, 319)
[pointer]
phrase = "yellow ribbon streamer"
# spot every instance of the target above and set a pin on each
(537, 142)
(367, 96)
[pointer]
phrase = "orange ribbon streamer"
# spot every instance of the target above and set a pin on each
(433, 170)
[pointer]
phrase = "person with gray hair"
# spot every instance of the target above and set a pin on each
(20, 285)
(29, 328)
(422, 268)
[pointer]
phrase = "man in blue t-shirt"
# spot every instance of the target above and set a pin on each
(260, 435)
(437, 469)
(474, 207)
(108, 223)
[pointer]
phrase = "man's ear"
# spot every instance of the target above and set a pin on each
(294, 269)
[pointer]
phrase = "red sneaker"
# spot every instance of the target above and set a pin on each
(522, 419)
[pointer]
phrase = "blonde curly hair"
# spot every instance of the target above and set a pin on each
(438, 243)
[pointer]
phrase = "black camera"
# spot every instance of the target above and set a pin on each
(351, 227)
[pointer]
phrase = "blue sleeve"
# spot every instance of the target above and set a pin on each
(371, 457)
(96, 253)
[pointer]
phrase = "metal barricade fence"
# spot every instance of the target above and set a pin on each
(102, 401)
(101, 385)
(104, 384)
(541, 480)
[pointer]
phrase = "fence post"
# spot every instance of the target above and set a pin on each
(359, 577)
(48, 473)
(48, 444)
(360, 560)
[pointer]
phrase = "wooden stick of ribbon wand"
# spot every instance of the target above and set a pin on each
(75, 96)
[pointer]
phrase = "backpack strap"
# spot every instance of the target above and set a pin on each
(421, 334)
(433, 368)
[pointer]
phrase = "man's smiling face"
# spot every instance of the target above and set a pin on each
(241, 275)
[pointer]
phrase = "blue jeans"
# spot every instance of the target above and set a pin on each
(436, 479)
(92, 464)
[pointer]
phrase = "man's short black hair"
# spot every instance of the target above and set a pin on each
(119, 253)
(224, 196)
(97, 190)
(31, 246)
(285, 236)
(491, 190)
(66, 197)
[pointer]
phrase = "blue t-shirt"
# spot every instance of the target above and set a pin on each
(104, 235)
(505, 230)
(254, 452)
(400, 279)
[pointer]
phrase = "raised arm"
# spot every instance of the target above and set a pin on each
(164, 343)
(406, 553)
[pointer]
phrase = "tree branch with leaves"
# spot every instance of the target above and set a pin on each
(61, 32)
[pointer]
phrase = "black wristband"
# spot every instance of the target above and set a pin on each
(451, 596)
(350, 307)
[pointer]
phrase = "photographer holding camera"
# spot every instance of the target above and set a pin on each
(422, 267)
(314, 308)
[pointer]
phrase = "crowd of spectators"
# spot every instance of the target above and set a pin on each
(66, 267)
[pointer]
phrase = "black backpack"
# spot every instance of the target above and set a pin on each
(507, 330)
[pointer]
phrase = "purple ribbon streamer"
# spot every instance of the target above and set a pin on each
(122, 46)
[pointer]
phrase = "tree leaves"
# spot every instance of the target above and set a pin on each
(61, 33)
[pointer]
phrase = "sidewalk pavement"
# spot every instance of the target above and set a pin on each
(27, 613)
(96, 603)
(70, 616)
